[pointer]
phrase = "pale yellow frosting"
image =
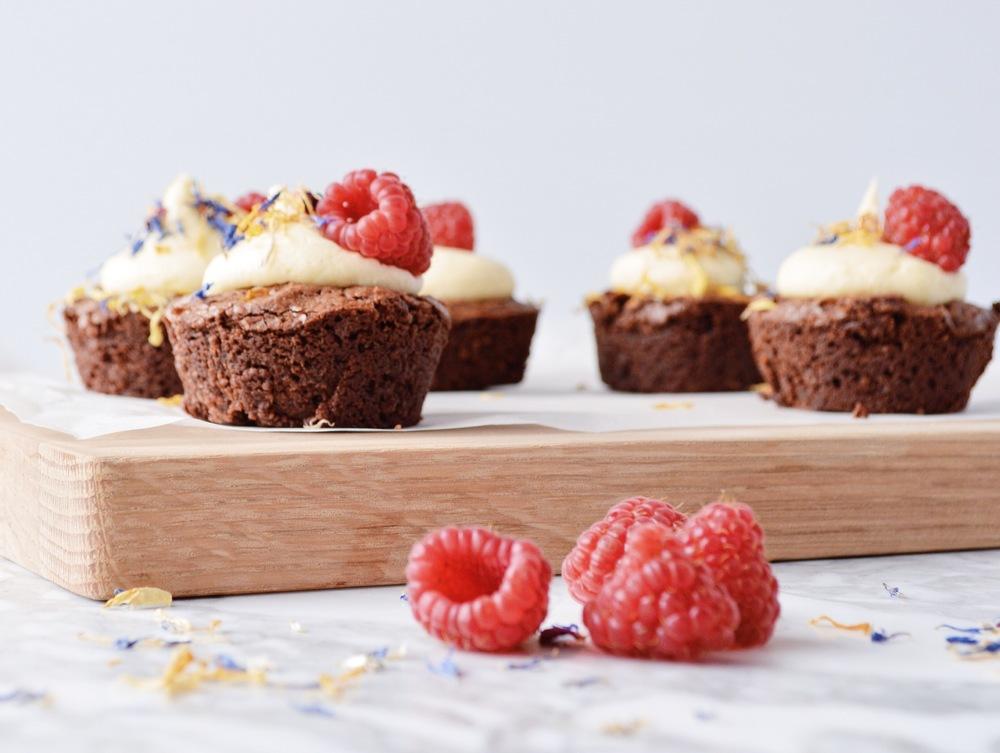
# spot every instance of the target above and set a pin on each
(865, 271)
(459, 275)
(171, 264)
(666, 272)
(294, 250)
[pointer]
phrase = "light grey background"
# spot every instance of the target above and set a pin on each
(557, 122)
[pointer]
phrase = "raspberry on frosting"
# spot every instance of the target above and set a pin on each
(451, 225)
(668, 213)
(376, 215)
(927, 225)
(250, 201)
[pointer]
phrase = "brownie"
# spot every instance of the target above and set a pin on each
(295, 355)
(672, 345)
(113, 353)
(488, 344)
(873, 355)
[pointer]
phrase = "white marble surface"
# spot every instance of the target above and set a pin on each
(809, 690)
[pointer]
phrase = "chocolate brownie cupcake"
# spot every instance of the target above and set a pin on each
(313, 317)
(307, 355)
(871, 319)
(672, 319)
(114, 326)
(491, 333)
(678, 344)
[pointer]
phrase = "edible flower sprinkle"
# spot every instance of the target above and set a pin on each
(446, 667)
(553, 635)
(876, 636)
(185, 673)
(893, 591)
(145, 597)
(150, 305)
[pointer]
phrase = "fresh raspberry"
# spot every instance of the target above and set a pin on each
(927, 225)
(451, 224)
(659, 603)
(599, 548)
(376, 216)
(250, 201)
(728, 541)
(477, 590)
(667, 213)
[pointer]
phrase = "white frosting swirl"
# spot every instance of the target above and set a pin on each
(459, 275)
(171, 264)
(864, 271)
(663, 272)
(297, 252)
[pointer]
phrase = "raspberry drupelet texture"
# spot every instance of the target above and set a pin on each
(667, 213)
(727, 540)
(599, 548)
(250, 201)
(376, 216)
(477, 590)
(659, 603)
(450, 223)
(927, 225)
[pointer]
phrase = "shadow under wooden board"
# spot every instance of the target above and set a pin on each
(200, 511)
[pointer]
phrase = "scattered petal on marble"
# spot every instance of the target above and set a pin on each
(145, 597)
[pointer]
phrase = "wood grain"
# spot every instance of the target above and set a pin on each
(199, 511)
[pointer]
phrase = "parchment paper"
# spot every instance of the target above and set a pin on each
(554, 402)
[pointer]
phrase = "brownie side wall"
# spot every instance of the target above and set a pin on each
(299, 354)
(673, 345)
(113, 354)
(880, 355)
(489, 344)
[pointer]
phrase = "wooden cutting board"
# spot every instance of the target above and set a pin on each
(199, 511)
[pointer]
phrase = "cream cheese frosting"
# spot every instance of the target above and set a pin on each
(855, 263)
(674, 270)
(171, 258)
(287, 246)
(866, 271)
(459, 275)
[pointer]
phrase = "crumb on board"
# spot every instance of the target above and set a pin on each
(673, 405)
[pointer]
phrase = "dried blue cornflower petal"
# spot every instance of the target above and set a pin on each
(203, 291)
(880, 636)
(225, 661)
(583, 682)
(967, 640)
(124, 644)
(893, 591)
(960, 629)
(446, 666)
(314, 709)
(20, 695)
(532, 663)
(550, 636)
(265, 205)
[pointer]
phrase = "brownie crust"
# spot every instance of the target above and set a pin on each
(294, 355)
(877, 355)
(672, 345)
(113, 354)
(489, 344)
